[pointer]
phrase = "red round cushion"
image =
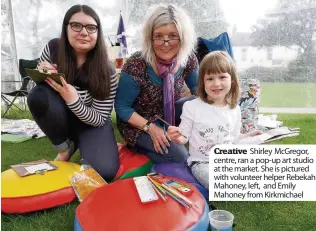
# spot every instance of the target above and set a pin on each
(117, 206)
(129, 160)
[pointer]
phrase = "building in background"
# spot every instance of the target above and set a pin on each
(247, 55)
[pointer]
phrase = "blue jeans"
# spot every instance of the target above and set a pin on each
(97, 145)
(176, 152)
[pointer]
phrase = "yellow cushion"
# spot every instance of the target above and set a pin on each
(16, 186)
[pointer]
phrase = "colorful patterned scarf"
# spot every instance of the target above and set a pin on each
(165, 71)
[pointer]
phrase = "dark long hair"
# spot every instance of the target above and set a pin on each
(97, 65)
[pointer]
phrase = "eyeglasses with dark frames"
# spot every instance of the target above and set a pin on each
(171, 42)
(77, 27)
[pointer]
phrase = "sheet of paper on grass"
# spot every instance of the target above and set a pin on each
(270, 135)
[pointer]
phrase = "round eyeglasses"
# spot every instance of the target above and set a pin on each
(171, 42)
(77, 27)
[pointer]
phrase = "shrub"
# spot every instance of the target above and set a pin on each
(265, 74)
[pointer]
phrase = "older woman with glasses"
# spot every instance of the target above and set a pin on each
(152, 84)
(78, 112)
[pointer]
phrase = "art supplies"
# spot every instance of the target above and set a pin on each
(158, 192)
(39, 76)
(178, 200)
(165, 185)
(183, 189)
(158, 187)
(166, 123)
(86, 181)
(34, 167)
(145, 190)
(177, 194)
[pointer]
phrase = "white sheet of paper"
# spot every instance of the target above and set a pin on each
(259, 139)
(34, 168)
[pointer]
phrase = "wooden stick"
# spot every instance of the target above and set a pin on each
(165, 122)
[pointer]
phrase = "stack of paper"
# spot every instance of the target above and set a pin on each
(271, 135)
(268, 121)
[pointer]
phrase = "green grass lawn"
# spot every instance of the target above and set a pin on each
(249, 216)
(288, 95)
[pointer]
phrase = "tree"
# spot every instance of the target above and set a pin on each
(292, 23)
(206, 15)
(302, 69)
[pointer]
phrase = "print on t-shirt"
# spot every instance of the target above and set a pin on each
(213, 136)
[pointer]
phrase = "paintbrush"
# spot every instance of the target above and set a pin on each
(166, 123)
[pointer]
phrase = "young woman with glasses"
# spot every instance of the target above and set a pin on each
(152, 84)
(78, 112)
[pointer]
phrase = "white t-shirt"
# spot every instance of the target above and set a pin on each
(206, 125)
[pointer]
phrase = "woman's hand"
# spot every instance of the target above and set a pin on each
(67, 91)
(47, 66)
(160, 140)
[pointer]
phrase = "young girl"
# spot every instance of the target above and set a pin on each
(212, 118)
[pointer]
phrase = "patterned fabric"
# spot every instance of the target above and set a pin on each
(149, 102)
(249, 104)
(200, 171)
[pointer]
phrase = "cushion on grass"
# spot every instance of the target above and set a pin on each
(37, 192)
(117, 207)
(180, 171)
(13, 138)
(220, 43)
(131, 164)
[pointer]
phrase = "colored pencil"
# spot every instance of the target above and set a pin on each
(177, 199)
(158, 192)
(177, 194)
(157, 185)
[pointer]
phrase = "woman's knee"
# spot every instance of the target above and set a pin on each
(107, 169)
(179, 154)
(180, 157)
(37, 101)
(99, 148)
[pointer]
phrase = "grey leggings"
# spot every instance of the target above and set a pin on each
(200, 171)
(97, 145)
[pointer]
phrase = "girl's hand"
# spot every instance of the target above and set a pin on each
(67, 91)
(175, 135)
(173, 132)
(47, 66)
(160, 140)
